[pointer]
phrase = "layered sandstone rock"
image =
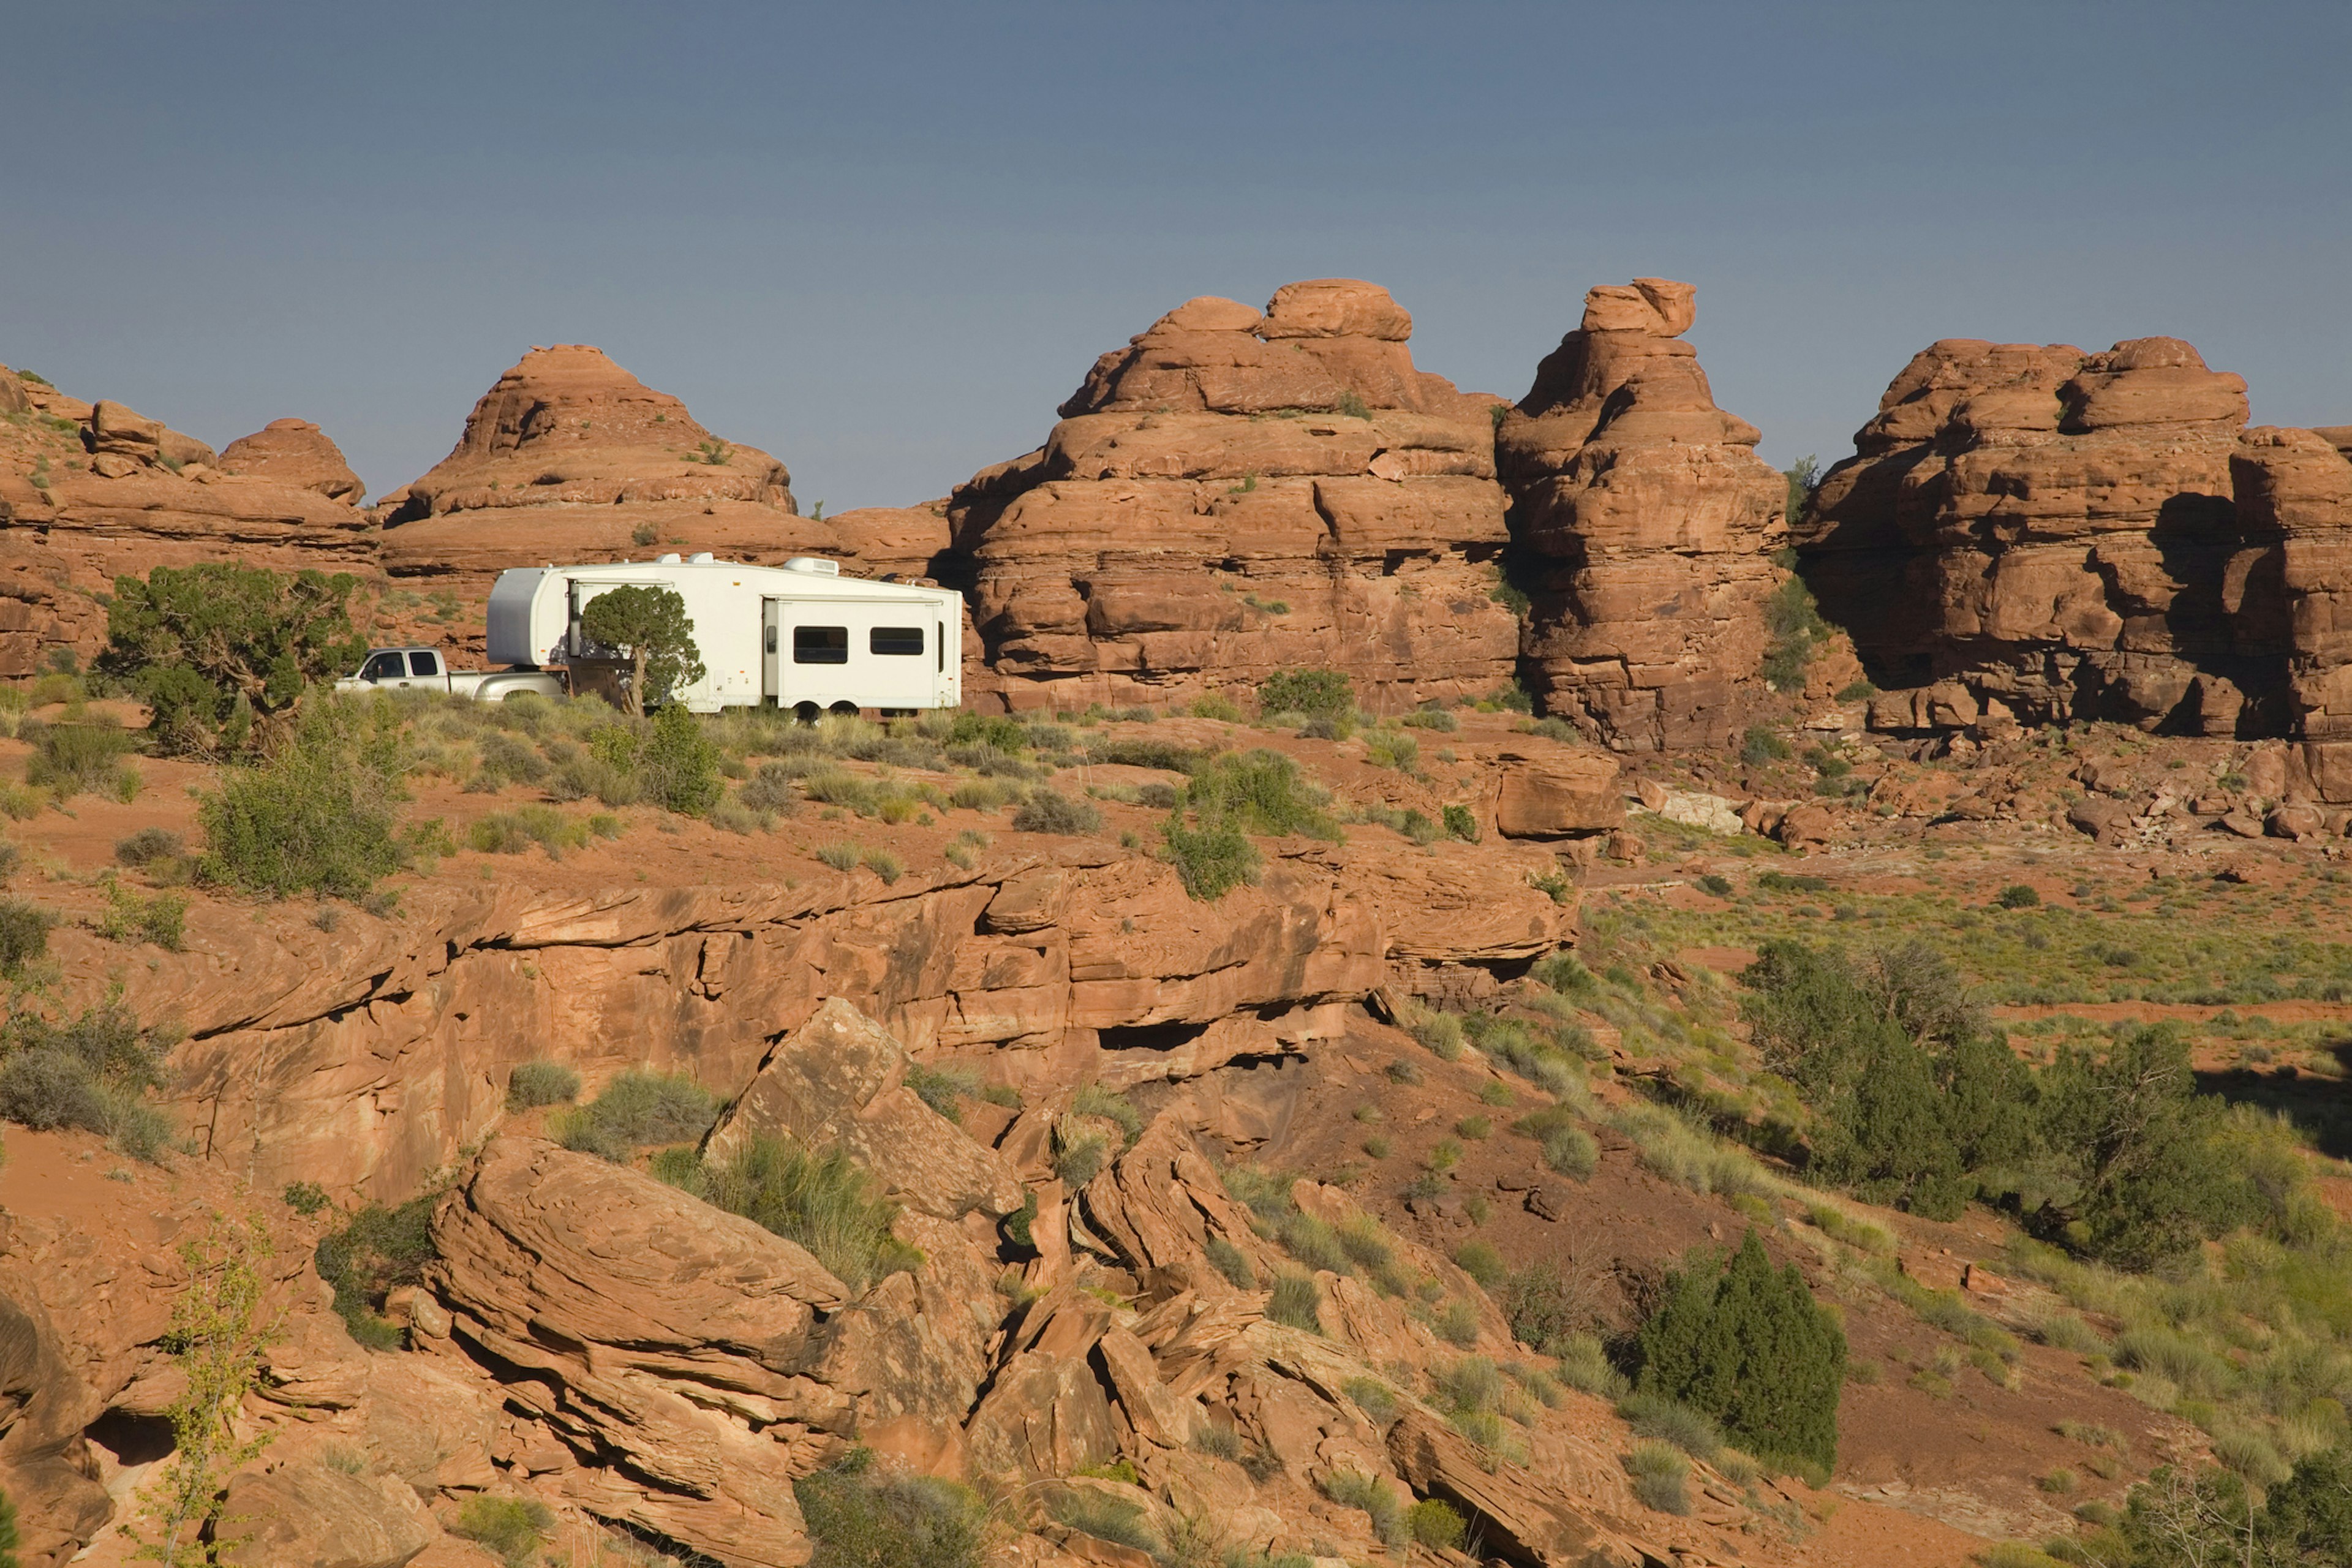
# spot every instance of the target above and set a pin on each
(2047, 534)
(1235, 493)
(295, 452)
(2290, 588)
(1652, 522)
(90, 491)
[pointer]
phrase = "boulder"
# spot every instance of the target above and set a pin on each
(2294, 821)
(126, 432)
(2293, 582)
(1551, 790)
(1522, 1519)
(46, 1466)
(295, 452)
(1235, 493)
(1655, 522)
(11, 392)
(840, 1080)
(304, 1513)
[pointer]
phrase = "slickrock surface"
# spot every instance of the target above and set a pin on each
(2033, 532)
(295, 452)
(1652, 522)
(1235, 493)
(91, 492)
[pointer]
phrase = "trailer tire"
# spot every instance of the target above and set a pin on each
(805, 713)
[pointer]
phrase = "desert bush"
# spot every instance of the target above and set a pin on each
(841, 855)
(1388, 749)
(148, 846)
(1230, 1261)
(1584, 1365)
(1377, 1498)
(1670, 1421)
(677, 762)
(535, 1083)
(768, 790)
(1457, 1324)
(1307, 691)
(511, 1529)
(1106, 1517)
(80, 759)
(1461, 823)
(883, 864)
(940, 1087)
(1747, 1347)
(2017, 896)
(1796, 631)
(374, 1252)
(1429, 717)
(1376, 1399)
(1049, 811)
(133, 916)
(317, 815)
(1478, 1260)
(1260, 791)
(90, 1072)
(213, 647)
(1571, 1152)
(1549, 1302)
(860, 1516)
(24, 935)
(637, 1109)
(824, 1201)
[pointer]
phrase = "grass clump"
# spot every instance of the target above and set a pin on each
(1049, 811)
(535, 1083)
(859, 1516)
(637, 1109)
(1228, 1261)
(511, 1529)
(92, 1073)
(1296, 1300)
(1377, 1498)
(1659, 1473)
(824, 1201)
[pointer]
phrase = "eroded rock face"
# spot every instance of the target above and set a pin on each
(91, 492)
(1235, 493)
(295, 452)
(2050, 532)
(1652, 522)
(2291, 586)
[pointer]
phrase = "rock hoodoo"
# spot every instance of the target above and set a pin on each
(2035, 532)
(1649, 522)
(295, 452)
(1235, 493)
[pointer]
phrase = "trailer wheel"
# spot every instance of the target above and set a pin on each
(849, 707)
(805, 713)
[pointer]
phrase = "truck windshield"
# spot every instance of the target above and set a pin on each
(383, 667)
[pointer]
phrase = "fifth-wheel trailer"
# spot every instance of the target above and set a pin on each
(798, 635)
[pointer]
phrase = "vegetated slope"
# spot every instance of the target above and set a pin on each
(1539, 1164)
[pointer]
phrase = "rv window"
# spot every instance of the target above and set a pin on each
(896, 639)
(943, 648)
(423, 664)
(771, 639)
(383, 667)
(820, 645)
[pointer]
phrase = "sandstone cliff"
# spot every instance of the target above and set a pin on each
(1235, 493)
(2035, 531)
(1649, 522)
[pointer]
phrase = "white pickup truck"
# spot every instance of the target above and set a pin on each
(423, 670)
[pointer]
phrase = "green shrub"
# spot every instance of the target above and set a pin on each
(1296, 1300)
(2017, 896)
(1260, 791)
(212, 647)
(1106, 1517)
(1759, 746)
(1211, 859)
(677, 762)
(1749, 1347)
(1548, 1304)
(1377, 1498)
(316, 815)
(884, 864)
(637, 1109)
(1094, 1100)
(1571, 1152)
(1460, 823)
(24, 935)
(1796, 632)
(942, 1088)
(1434, 1522)
(377, 1250)
(1376, 1399)
(1307, 691)
(1479, 1260)
(511, 1529)
(1670, 1421)
(825, 1202)
(1049, 811)
(537, 1083)
(1457, 1324)
(91, 1072)
(132, 916)
(148, 846)
(305, 1198)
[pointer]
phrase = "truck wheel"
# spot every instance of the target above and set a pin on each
(805, 713)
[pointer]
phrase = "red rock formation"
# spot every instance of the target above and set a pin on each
(1653, 520)
(2032, 530)
(1232, 494)
(91, 492)
(2290, 589)
(295, 452)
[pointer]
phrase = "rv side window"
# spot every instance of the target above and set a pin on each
(383, 667)
(423, 664)
(771, 639)
(820, 645)
(896, 639)
(943, 648)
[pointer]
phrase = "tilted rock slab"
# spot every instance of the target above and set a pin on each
(1653, 523)
(1236, 493)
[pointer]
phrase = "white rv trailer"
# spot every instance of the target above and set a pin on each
(798, 635)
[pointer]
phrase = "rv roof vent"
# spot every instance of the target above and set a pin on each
(669, 559)
(701, 558)
(815, 566)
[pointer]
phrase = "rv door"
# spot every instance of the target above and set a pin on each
(771, 670)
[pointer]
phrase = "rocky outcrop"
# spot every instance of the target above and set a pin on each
(1649, 523)
(295, 452)
(2290, 588)
(45, 1406)
(1235, 493)
(90, 491)
(2035, 533)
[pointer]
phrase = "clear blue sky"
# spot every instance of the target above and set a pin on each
(882, 241)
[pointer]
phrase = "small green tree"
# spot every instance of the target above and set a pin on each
(650, 624)
(220, 1327)
(2308, 1517)
(679, 763)
(1748, 1346)
(213, 647)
